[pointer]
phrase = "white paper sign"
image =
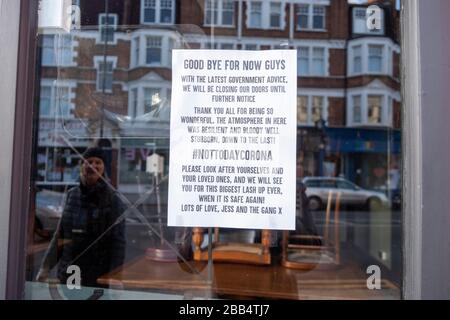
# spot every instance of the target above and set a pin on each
(233, 136)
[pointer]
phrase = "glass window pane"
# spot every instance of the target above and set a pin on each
(317, 109)
(302, 109)
(375, 58)
(45, 101)
(357, 59)
(275, 15)
(255, 14)
(357, 109)
(318, 61)
(374, 109)
(303, 16)
(348, 152)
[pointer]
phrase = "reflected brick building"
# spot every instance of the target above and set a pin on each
(112, 78)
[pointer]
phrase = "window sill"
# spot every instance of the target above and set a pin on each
(157, 23)
(225, 26)
(312, 30)
(266, 28)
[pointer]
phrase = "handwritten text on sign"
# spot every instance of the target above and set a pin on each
(233, 139)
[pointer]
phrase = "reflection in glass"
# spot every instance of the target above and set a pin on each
(109, 85)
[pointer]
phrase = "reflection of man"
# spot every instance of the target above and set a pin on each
(90, 241)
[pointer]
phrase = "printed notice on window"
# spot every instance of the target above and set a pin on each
(233, 136)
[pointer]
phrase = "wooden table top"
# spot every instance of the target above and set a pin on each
(247, 281)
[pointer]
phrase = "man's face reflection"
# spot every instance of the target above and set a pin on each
(91, 170)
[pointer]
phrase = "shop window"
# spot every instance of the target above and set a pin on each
(343, 132)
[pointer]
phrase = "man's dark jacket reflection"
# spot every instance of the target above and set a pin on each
(88, 212)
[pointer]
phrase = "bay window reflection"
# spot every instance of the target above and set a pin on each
(375, 58)
(374, 108)
(153, 50)
(317, 109)
(302, 109)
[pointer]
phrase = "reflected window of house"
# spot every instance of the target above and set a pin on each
(375, 58)
(374, 109)
(302, 109)
(318, 17)
(151, 99)
(55, 101)
(63, 102)
(266, 15)
(107, 26)
(357, 59)
(303, 61)
(318, 61)
(317, 109)
(166, 11)
(249, 46)
(219, 13)
(311, 17)
(255, 13)
(275, 15)
(227, 13)
(45, 103)
(357, 109)
(57, 50)
(136, 51)
(134, 103)
(154, 48)
(105, 76)
(48, 50)
(303, 17)
(223, 46)
(311, 61)
(157, 11)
